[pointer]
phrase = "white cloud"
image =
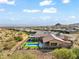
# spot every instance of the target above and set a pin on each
(2, 10)
(45, 17)
(31, 11)
(46, 10)
(73, 17)
(45, 2)
(50, 10)
(65, 1)
(10, 2)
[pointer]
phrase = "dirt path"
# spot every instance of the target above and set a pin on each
(25, 37)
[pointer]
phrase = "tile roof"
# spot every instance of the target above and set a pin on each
(49, 37)
(54, 37)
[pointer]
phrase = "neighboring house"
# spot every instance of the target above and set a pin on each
(47, 41)
(67, 31)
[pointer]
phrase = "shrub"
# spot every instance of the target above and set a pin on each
(8, 45)
(20, 55)
(76, 51)
(64, 54)
(18, 38)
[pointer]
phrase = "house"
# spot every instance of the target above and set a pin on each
(47, 41)
(52, 41)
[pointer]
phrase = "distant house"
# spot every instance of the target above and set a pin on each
(48, 41)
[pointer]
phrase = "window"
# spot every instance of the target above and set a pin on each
(53, 44)
(47, 43)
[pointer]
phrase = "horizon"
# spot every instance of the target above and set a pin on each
(38, 12)
(24, 25)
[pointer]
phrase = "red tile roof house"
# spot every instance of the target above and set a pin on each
(52, 41)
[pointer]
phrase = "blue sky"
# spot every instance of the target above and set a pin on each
(38, 12)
